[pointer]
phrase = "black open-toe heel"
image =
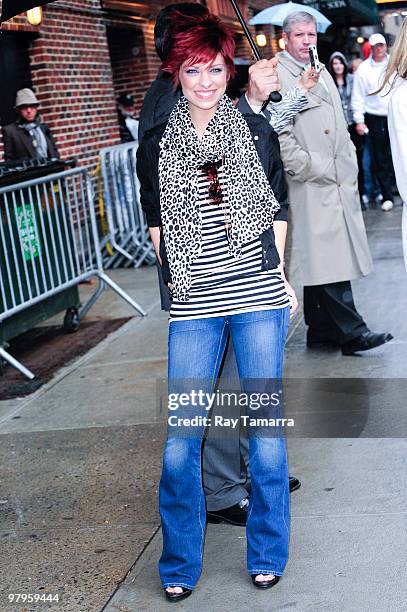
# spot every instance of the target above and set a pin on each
(177, 596)
(265, 584)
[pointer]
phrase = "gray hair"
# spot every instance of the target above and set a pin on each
(297, 17)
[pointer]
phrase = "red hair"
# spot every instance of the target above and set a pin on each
(198, 41)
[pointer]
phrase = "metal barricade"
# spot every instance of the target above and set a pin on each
(48, 243)
(128, 241)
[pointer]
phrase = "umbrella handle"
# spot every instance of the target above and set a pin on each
(275, 96)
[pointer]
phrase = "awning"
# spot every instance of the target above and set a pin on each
(10, 8)
(130, 8)
(391, 4)
(347, 12)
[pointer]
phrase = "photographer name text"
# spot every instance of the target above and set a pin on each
(220, 421)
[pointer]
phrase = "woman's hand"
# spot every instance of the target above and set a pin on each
(292, 297)
(155, 239)
(308, 79)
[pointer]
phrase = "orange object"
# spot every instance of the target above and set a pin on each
(366, 48)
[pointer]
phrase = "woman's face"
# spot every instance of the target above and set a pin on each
(204, 84)
(337, 66)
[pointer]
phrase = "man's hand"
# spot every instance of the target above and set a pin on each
(361, 129)
(308, 80)
(263, 79)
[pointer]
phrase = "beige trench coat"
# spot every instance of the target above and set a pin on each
(329, 235)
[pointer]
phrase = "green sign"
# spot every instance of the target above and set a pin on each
(356, 12)
(27, 228)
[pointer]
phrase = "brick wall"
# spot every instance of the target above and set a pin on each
(132, 56)
(128, 60)
(81, 61)
(72, 77)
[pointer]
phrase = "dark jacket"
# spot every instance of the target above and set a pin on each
(18, 144)
(158, 103)
(125, 134)
(267, 145)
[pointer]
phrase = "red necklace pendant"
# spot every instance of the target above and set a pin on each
(215, 190)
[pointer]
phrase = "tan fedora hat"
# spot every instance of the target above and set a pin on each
(26, 97)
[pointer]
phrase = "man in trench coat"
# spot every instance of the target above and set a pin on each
(329, 237)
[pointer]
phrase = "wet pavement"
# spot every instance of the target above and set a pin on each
(81, 459)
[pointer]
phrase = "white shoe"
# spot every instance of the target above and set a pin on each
(365, 199)
(387, 205)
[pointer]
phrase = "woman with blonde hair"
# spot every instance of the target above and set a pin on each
(396, 78)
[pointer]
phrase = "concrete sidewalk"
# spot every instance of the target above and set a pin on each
(81, 461)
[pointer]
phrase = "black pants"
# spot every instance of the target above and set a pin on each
(381, 153)
(330, 312)
(358, 141)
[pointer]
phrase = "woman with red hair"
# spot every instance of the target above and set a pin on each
(213, 191)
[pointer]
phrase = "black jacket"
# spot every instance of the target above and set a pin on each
(125, 134)
(267, 145)
(158, 103)
(18, 144)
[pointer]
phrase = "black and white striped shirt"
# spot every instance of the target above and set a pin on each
(279, 114)
(220, 284)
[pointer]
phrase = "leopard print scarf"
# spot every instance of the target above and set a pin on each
(251, 200)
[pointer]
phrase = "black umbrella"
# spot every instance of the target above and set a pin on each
(11, 8)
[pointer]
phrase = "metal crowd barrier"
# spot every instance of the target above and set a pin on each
(127, 242)
(49, 243)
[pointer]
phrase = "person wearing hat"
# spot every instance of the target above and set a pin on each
(28, 137)
(127, 122)
(370, 114)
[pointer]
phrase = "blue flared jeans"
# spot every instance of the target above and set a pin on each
(196, 348)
